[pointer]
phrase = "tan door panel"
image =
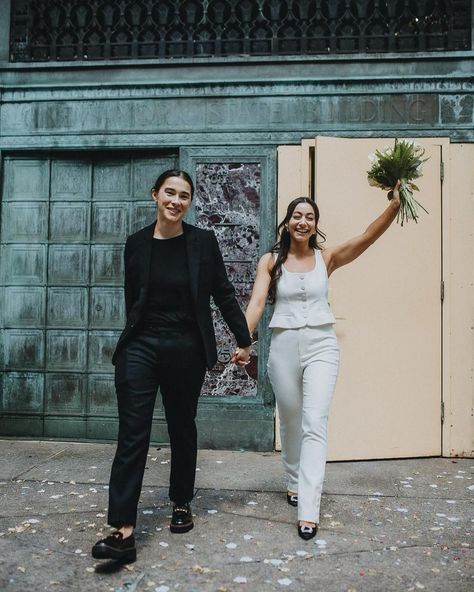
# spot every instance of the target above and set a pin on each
(388, 309)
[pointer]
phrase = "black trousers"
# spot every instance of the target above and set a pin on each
(174, 363)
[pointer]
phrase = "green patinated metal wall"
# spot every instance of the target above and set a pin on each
(64, 223)
(78, 144)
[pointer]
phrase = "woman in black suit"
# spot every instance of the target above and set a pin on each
(172, 270)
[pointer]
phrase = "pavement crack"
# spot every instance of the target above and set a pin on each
(48, 459)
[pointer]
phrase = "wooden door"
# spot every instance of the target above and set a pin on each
(388, 309)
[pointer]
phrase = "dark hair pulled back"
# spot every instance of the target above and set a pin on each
(173, 173)
(282, 247)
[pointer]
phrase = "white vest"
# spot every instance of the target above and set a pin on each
(302, 298)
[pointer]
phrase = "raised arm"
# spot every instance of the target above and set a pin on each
(344, 253)
(259, 292)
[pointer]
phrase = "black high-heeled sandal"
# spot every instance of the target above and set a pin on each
(307, 532)
(292, 499)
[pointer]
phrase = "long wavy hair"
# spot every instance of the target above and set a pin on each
(282, 247)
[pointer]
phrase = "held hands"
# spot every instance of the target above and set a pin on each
(241, 356)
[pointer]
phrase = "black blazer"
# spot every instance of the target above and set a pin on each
(208, 277)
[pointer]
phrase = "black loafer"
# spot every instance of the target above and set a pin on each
(182, 519)
(292, 499)
(307, 532)
(116, 547)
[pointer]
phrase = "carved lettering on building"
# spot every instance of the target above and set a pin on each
(227, 113)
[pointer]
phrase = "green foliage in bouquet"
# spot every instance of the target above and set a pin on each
(403, 162)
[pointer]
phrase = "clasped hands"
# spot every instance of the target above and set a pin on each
(241, 356)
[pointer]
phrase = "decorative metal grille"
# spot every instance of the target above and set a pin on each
(46, 30)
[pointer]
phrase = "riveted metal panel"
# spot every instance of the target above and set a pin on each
(101, 347)
(22, 392)
(26, 179)
(24, 306)
(145, 172)
(23, 349)
(107, 309)
(66, 350)
(141, 215)
(25, 222)
(69, 222)
(70, 180)
(67, 307)
(24, 264)
(107, 264)
(112, 181)
(68, 264)
(102, 398)
(109, 222)
(65, 393)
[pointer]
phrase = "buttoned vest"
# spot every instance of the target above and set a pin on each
(302, 298)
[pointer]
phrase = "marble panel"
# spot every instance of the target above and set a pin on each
(228, 202)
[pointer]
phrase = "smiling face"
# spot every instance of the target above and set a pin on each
(172, 199)
(302, 223)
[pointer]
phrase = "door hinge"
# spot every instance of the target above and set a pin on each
(441, 170)
(442, 411)
(441, 291)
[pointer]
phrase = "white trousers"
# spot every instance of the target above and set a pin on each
(302, 367)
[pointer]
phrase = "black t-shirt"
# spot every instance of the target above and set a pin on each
(169, 305)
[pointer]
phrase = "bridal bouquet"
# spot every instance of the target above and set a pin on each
(403, 162)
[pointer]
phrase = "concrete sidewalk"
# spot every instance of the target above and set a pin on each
(385, 525)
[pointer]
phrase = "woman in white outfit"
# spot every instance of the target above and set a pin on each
(304, 353)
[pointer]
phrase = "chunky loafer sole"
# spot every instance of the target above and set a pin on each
(121, 555)
(182, 519)
(116, 547)
(177, 528)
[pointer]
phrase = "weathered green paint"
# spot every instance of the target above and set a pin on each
(64, 222)
(63, 231)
